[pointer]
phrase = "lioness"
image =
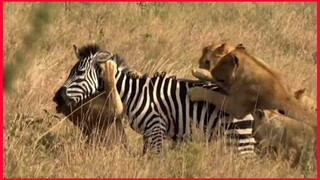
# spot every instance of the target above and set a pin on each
(249, 84)
(270, 128)
(284, 136)
(212, 54)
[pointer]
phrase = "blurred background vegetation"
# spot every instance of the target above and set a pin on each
(38, 55)
(38, 20)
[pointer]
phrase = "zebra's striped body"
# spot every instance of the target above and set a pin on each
(158, 106)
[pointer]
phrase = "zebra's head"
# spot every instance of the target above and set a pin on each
(84, 78)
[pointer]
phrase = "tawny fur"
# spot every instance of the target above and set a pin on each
(271, 130)
(282, 135)
(213, 53)
(109, 69)
(97, 119)
(251, 84)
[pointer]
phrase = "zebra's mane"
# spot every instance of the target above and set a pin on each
(121, 65)
(160, 74)
(135, 75)
(88, 50)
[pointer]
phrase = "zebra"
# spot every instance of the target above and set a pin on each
(158, 107)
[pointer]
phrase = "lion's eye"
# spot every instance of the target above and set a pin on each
(207, 62)
(282, 111)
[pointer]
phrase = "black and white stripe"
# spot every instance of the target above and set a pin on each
(159, 107)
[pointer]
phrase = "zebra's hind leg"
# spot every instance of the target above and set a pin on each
(153, 139)
(176, 142)
(145, 145)
(240, 132)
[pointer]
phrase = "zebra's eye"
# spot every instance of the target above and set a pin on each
(80, 72)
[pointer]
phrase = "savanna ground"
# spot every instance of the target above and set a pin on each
(150, 37)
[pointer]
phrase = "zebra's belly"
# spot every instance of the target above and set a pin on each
(134, 124)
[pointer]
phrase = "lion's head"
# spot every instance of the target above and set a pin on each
(212, 54)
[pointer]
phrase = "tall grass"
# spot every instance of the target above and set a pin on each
(150, 37)
(39, 20)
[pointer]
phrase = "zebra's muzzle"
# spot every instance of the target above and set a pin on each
(61, 99)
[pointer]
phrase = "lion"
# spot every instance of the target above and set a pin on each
(249, 84)
(212, 54)
(270, 129)
(282, 135)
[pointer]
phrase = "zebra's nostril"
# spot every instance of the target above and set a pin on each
(55, 99)
(60, 97)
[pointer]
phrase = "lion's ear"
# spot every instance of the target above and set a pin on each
(298, 94)
(240, 46)
(205, 50)
(235, 61)
(222, 50)
(225, 71)
(259, 113)
(223, 45)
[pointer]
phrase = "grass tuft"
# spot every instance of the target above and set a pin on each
(38, 55)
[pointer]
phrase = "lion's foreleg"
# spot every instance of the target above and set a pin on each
(202, 94)
(202, 74)
(109, 68)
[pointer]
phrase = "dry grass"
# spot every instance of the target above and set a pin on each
(149, 36)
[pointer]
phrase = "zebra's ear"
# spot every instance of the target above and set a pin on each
(76, 50)
(103, 57)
